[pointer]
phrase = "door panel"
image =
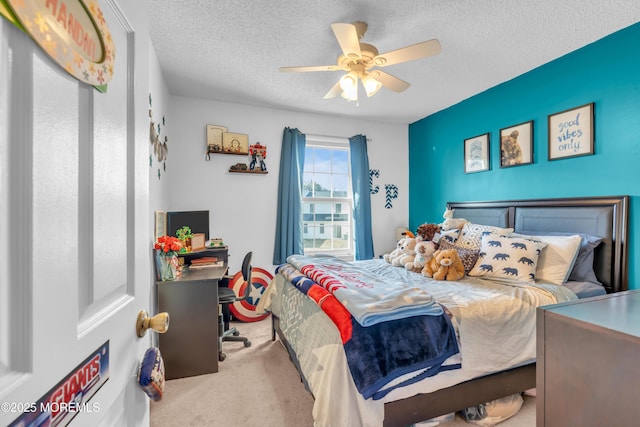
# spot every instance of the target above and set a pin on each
(74, 244)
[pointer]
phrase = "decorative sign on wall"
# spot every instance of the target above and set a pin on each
(73, 33)
(391, 193)
(391, 190)
(373, 189)
(571, 133)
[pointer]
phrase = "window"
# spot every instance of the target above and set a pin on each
(327, 198)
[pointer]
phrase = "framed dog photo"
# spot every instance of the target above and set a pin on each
(476, 154)
(571, 133)
(516, 145)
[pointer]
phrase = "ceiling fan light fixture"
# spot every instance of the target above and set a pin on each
(349, 86)
(371, 85)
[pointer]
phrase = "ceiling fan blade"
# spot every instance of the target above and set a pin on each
(311, 68)
(389, 81)
(348, 39)
(334, 91)
(409, 53)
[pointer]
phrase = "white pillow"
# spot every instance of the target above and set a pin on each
(507, 258)
(556, 260)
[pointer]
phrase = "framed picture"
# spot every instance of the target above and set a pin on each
(571, 133)
(160, 224)
(476, 154)
(516, 145)
(214, 138)
(235, 143)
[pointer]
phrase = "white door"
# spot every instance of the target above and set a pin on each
(74, 230)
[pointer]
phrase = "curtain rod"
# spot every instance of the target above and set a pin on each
(329, 137)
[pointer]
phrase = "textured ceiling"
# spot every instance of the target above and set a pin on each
(230, 50)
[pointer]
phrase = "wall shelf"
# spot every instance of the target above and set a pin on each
(259, 172)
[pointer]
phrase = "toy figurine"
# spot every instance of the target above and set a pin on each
(258, 153)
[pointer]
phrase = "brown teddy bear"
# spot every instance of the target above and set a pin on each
(445, 265)
(426, 232)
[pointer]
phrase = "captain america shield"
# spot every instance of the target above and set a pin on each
(245, 310)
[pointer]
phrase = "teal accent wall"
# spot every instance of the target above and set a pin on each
(606, 73)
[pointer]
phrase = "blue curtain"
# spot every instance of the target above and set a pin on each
(361, 197)
(289, 221)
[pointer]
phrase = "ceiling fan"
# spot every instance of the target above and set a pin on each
(359, 59)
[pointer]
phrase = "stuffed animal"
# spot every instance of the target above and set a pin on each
(445, 265)
(424, 252)
(398, 250)
(450, 222)
(394, 253)
(427, 231)
(408, 253)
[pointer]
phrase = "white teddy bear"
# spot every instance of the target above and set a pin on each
(408, 252)
(424, 252)
(394, 253)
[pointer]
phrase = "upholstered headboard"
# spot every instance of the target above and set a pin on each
(600, 216)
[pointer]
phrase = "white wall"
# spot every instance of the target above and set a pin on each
(243, 206)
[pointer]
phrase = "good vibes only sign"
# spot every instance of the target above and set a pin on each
(571, 133)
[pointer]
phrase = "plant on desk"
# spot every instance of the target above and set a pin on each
(167, 248)
(184, 234)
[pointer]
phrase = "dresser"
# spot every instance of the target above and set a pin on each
(588, 362)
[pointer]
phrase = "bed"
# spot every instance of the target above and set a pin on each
(605, 217)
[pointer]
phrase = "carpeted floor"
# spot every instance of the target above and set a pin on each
(258, 386)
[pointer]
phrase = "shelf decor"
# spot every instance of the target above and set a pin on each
(571, 133)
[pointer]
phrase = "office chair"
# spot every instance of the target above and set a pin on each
(228, 296)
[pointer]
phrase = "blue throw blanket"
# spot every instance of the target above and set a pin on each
(368, 297)
(384, 351)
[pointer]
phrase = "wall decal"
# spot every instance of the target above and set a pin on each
(160, 148)
(373, 172)
(392, 193)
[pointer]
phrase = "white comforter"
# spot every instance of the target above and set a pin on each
(495, 323)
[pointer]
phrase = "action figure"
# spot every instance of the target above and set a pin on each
(258, 154)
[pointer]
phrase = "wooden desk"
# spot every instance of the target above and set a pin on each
(190, 346)
(587, 362)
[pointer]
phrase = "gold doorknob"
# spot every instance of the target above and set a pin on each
(159, 323)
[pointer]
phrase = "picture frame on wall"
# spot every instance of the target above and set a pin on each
(160, 218)
(516, 145)
(235, 143)
(571, 132)
(214, 138)
(476, 154)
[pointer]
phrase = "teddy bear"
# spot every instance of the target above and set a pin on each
(445, 265)
(398, 250)
(394, 253)
(424, 252)
(427, 231)
(408, 253)
(450, 222)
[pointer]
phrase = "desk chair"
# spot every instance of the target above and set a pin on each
(228, 296)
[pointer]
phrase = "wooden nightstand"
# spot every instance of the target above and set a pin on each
(588, 362)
